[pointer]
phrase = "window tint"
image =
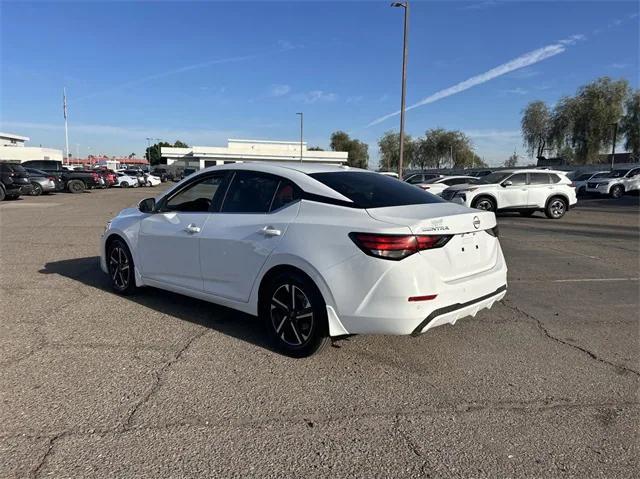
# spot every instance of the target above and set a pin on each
(250, 192)
(554, 178)
(583, 177)
(539, 178)
(415, 179)
(287, 193)
(518, 179)
(197, 197)
(369, 190)
(634, 172)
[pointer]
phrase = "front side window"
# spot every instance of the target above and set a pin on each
(518, 179)
(493, 178)
(369, 190)
(634, 172)
(250, 192)
(197, 197)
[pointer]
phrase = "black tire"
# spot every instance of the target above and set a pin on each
(124, 184)
(294, 314)
(556, 208)
(36, 189)
(484, 203)
(616, 191)
(76, 186)
(2, 193)
(121, 268)
(11, 197)
(527, 213)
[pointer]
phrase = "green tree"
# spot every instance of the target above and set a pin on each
(599, 105)
(512, 161)
(389, 147)
(315, 148)
(152, 153)
(440, 148)
(358, 151)
(132, 155)
(535, 125)
(630, 124)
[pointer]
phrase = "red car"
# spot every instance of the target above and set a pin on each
(109, 176)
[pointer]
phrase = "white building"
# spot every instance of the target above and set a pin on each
(12, 149)
(249, 150)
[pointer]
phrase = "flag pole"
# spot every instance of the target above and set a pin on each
(66, 131)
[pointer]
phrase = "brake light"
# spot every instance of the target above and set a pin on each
(51, 178)
(396, 247)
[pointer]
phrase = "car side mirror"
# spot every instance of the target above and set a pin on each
(507, 183)
(147, 205)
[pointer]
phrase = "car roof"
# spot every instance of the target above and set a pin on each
(531, 170)
(294, 171)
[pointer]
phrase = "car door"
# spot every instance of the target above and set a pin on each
(169, 239)
(235, 243)
(540, 187)
(513, 192)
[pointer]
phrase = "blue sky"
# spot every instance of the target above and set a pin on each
(203, 72)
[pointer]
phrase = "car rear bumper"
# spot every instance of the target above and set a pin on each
(384, 307)
(450, 314)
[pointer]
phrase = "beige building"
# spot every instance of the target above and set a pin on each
(249, 150)
(12, 148)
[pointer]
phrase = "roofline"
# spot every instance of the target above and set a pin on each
(14, 137)
(277, 142)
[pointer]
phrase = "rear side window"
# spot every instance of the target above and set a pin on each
(286, 194)
(539, 178)
(554, 178)
(370, 190)
(415, 179)
(250, 192)
(457, 181)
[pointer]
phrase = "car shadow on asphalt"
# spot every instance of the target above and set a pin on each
(219, 318)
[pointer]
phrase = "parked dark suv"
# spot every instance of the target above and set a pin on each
(74, 181)
(14, 181)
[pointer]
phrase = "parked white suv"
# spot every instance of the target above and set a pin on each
(617, 183)
(525, 191)
(581, 181)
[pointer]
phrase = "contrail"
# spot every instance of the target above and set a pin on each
(522, 61)
(282, 47)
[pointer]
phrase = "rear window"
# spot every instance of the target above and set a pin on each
(368, 190)
(12, 167)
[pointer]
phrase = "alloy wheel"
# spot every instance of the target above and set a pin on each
(119, 268)
(485, 205)
(36, 189)
(292, 315)
(557, 208)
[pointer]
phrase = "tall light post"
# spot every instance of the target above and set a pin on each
(613, 147)
(301, 132)
(404, 5)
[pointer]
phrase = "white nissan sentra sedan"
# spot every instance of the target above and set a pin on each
(315, 251)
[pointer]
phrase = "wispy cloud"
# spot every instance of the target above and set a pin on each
(492, 134)
(525, 60)
(279, 90)
(480, 5)
(354, 99)
(517, 91)
(282, 46)
(133, 132)
(619, 66)
(315, 96)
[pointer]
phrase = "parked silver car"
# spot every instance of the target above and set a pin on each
(41, 182)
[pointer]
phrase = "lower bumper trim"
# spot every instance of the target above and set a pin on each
(454, 307)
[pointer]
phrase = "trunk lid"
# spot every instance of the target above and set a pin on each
(471, 250)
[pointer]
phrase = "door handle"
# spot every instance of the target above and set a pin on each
(270, 231)
(192, 229)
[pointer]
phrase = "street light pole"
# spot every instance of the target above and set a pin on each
(613, 148)
(301, 132)
(404, 5)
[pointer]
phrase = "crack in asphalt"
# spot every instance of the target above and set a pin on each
(126, 425)
(35, 471)
(533, 407)
(545, 332)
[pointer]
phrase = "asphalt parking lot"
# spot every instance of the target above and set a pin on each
(93, 385)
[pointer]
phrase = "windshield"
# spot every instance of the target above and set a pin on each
(494, 178)
(617, 174)
(583, 177)
(368, 190)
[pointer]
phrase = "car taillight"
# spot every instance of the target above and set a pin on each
(424, 187)
(95, 176)
(396, 247)
(495, 232)
(572, 184)
(51, 178)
